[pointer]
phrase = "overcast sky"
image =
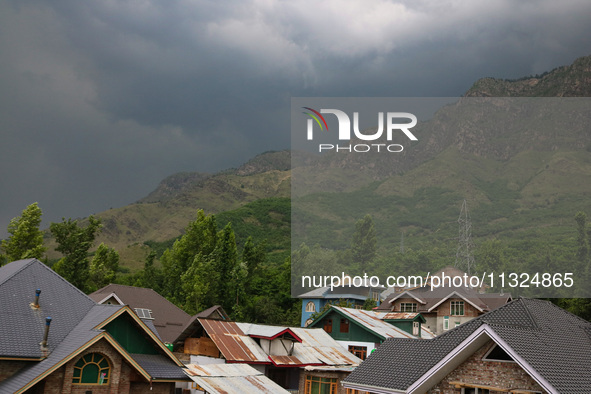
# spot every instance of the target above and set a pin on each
(100, 100)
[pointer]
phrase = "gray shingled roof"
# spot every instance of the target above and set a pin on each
(76, 338)
(554, 342)
(74, 315)
(159, 367)
(485, 301)
(22, 327)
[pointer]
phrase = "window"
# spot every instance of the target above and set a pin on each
(352, 391)
(408, 307)
(359, 351)
(93, 368)
(415, 328)
(446, 322)
(328, 325)
(310, 307)
(457, 308)
(318, 385)
(344, 325)
(457, 324)
(143, 313)
(308, 322)
(375, 296)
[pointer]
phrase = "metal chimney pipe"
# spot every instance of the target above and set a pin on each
(47, 323)
(36, 303)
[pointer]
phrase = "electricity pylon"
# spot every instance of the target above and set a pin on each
(465, 252)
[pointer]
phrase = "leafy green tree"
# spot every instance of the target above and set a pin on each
(103, 267)
(74, 241)
(199, 284)
(226, 260)
(25, 240)
(200, 238)
(151, 277)
(582, 237)
(363, 244)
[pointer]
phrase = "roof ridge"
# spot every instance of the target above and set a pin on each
(49, 269)
(17, 271)
(585, 322)
(120, 285)
(529, 315)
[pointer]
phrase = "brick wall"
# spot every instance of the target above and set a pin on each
(489, 373)
(122, 380)
(9, 367)
(445, 308)
(157, 388)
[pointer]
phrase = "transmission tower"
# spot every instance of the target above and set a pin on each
(465, 254)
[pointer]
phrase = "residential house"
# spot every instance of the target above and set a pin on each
(295, 358)
(315, 300)
(360, 331)
(55, 339)
(231, 378)
(443, 307)
(168, 319)
(526, 346)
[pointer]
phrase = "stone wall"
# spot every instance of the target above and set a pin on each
(489, 373)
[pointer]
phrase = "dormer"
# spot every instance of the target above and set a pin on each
(278, 344)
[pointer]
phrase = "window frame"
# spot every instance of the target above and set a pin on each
(453, 308)
(311, 307)
(327, 326)
(86, 362)
(358, 351)
(409, 307)
(445, 323)
(344, 324)
(310, 379)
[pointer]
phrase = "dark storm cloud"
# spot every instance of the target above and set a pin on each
(102, 99)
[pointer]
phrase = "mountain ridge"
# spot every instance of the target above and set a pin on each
(165, 212)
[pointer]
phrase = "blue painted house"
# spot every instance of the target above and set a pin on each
(313, 301)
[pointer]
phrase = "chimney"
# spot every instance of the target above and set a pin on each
(35, 304)
(47, 323)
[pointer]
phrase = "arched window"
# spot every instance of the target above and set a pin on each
(310, 307)
(93, 368)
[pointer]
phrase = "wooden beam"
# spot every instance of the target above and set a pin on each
(460, 385)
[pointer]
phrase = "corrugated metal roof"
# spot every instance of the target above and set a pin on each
(264, 331)
(232, 342)
(400, 315)
(317, 344)
(232, 378)
(372, 320)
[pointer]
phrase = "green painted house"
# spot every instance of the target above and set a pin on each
(361, 331)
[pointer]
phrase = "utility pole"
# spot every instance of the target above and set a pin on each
(465, 252)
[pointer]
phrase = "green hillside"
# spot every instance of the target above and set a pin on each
(519, 187)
